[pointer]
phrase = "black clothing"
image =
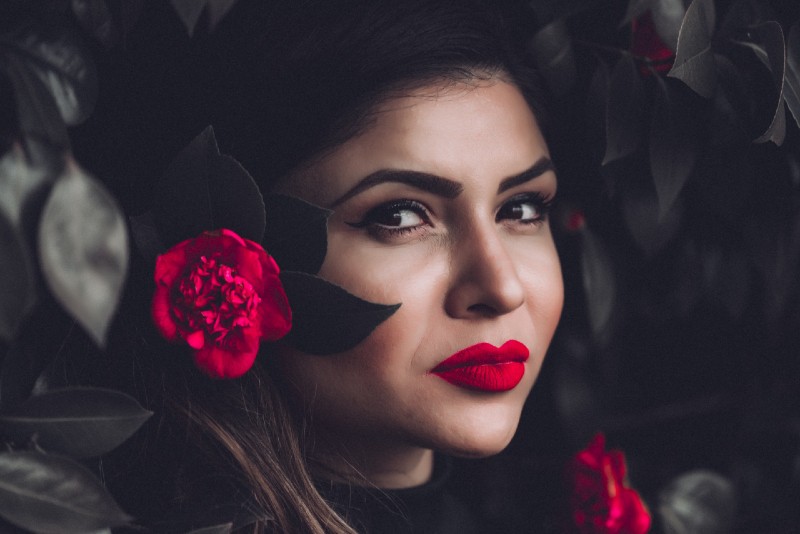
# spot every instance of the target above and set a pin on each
(430, 508)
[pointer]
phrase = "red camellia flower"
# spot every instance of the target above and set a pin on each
(222, 295)
(602, 501)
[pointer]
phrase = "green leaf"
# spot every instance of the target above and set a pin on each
(552, 51)
(78, 422)
(326, 319)
(624, 111)
(694, 60)
(296, 233)
(17, 280)
(767, 44)
(83, 250)
(53, 495)
(58, 59)
(791, 88)
(675, 137)
(203, 190)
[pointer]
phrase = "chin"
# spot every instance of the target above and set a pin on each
(484, 435)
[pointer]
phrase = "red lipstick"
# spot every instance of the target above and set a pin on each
(484, 367)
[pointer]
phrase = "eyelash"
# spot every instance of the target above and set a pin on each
(542, 204)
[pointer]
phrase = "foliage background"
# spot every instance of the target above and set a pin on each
(678, 228)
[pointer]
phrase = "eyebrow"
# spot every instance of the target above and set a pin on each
(436, 184)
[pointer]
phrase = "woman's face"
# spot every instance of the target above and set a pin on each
(441, 205)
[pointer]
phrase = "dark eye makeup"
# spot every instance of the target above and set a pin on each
(402, 217)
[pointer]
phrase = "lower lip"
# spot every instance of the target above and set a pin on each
(483, 367)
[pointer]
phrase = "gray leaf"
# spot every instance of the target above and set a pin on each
(694, 60)
(83, 249)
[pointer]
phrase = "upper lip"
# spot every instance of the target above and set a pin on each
(485, 354)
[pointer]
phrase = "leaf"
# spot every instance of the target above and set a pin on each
(326, 319)
(624, 110)
(95, 17)
(551, 48)
(145, 235)
(217, 9)
(22, 183)
(547, 11)
(48, 494)
(694, 60)
(61, 63)
(78, 422)
(39, 116)
(595, 111)
(791, 89)
(203, 190)
(225, 528)
(189, 12)
(668, 17)
(640, 212)
(599, 284)
(296, 233)
(769, 48)
(675, 137)
(17, 277)
(635, 9)
(83, 250)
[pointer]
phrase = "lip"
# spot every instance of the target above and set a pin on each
(484, 367)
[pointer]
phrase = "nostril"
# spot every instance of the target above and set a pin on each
(483, 310)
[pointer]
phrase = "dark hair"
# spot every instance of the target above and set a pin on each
(306, 78)
(286, 82)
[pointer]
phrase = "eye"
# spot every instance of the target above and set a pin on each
(525, 208)
(394, 218)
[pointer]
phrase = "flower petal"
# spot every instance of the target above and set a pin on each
(220, 363)
(162, 316)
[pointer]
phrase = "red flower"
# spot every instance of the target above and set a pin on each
(646, 43)
(602, 501)
(222, 295)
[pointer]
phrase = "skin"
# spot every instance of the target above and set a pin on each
(467, 269)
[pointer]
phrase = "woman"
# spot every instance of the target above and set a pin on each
(415, 125)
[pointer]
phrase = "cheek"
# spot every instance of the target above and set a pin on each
(540, 272)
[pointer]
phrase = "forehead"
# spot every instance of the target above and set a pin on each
(484, 130)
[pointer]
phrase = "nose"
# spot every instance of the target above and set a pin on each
(485, 281)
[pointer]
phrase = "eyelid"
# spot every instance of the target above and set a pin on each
(399, 204)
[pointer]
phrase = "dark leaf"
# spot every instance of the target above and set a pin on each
(547, 11)
(668, 17)
(767, 44)
(215, 529)
(694, 60)
(49, 494)
(675, 136)
(326, 319)
(217, 9)
(551, 48)
(743, 14)
(83, 250)
(31, 352)
(38, 113)
(189, 12)
(624, 110)
(145, 235)
(17, 288)
(9, 120)
(635, 9)
(95, 17)
(599, 284)
(62, 64)
(791, 89)
(596, 102)
(296, 233)
(641, 213)
(78, 422)
(126, 14)
(203, 190)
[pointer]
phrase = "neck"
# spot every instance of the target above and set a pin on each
(389, 466)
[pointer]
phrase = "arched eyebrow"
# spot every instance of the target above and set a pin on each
(437, 185)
